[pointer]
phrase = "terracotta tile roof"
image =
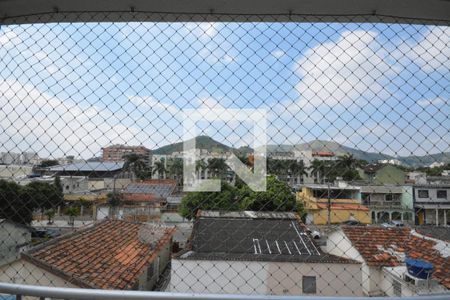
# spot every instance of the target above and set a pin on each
(342, 206)
(110, 255)
(381, 246)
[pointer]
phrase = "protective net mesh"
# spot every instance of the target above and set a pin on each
(354, 131)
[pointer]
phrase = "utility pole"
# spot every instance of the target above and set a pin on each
(329, 206)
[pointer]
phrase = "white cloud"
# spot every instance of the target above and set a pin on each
(340, 73)
(33, 120)
(435, 102)
(433, 52)
(278, 53)
(8, 38)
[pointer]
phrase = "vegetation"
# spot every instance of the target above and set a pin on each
(48, 163)
(50, 213)
(17, 203)
(72, 212)
(136, 165)
(160, 168)
(278, 197)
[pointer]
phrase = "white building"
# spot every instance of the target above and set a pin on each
(260, 253)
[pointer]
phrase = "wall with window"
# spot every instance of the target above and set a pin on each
(275, 278)
(434, 194)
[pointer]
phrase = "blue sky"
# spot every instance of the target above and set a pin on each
(70, 89)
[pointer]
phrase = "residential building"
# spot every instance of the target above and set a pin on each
(117, 153)
(14, 237)
(380, 174)
(432, 204)
(382, 252)
(259, 253)
(111, 255)
(436, 164)
(387, 203)
(15, 171)
(333, 204)
(23, 158)
(416, 177)
(140, 201)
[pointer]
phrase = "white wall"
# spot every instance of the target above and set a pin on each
(24, 272)
(12, 238)
(273, 278)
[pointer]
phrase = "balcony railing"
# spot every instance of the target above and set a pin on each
(95, 294)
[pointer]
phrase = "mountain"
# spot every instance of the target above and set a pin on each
(202, 142)
(420, 161)
(206, 142)
(338, 149)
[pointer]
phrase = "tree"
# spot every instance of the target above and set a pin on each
(46, 163)
(43, 195)
(224, 200)
(318, 169)
(14, 205)
(114, 200)
(296, 169)
(72, 212)
(50, 213)
(176, 170)
(136, 165)
(346, 167)
(200, 167)
(277, 197)
(160, 168)
(217, 167)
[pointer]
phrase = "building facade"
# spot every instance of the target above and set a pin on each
(119, 152)
(432, 204)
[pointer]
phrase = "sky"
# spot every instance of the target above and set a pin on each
(71, 89)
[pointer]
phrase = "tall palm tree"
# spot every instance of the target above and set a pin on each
(217, 167)
(200, 167)
(348, 162)
(297, 169)
(160, 168)
(136, 165)
(176, 170)
(318, 170)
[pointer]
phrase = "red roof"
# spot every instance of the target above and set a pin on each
(343, 206)
(381, 246)
(110, 255)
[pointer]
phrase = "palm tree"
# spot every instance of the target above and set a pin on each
(136, 165)
(348, 162)
(200, 167)
(217, 167)
(318, 170)
(297, 169)
(160, 168)
(176, 170)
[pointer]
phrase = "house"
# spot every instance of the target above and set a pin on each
(388, 202)
(432, 204)
(141, 201)
(382, 252)
(332, 204)
(259, 253)
(14, 237)
(111, 255)
(380, 174)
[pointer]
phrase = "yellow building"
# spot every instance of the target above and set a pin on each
(335, 204)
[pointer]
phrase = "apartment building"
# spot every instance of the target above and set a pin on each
(118, 152)
(432, 204)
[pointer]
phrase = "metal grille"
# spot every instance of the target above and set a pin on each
(353, 137)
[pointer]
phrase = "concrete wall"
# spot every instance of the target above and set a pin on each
(12, 238)
(272, 278)
(24, 272)
(146, 281)
(338, 216)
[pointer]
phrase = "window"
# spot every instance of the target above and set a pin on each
(388, 197)
(309, 284)
(397, 286)
(442, 194)
(423, 193)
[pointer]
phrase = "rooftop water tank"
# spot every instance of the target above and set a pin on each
(419, 268)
